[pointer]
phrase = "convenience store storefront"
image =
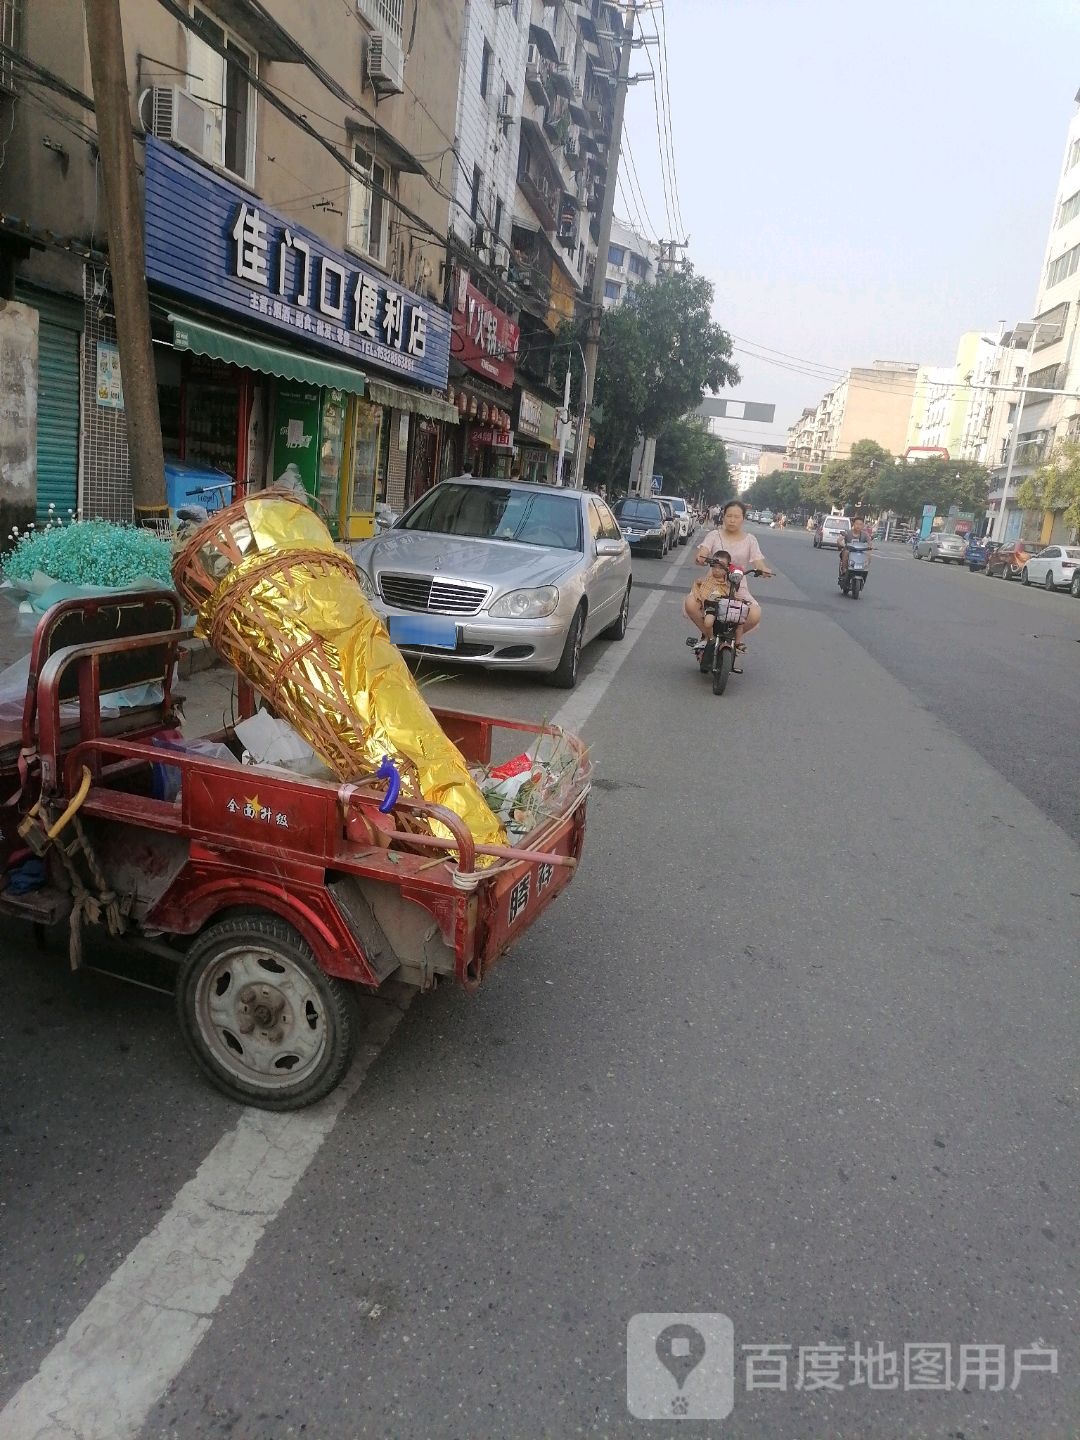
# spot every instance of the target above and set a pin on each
(537, 438)
(236, 398)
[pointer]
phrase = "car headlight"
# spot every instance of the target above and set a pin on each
(526, 604)
(364, 581)
(654, 532)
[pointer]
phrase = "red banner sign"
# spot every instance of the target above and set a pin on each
(488, 436)
(485, 338)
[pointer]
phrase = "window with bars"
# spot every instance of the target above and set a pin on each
(10, 34)
(384, 15)
(1050, 377)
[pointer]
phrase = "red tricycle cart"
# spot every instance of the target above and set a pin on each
(274, 894)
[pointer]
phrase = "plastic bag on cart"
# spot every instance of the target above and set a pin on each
(166, 779)
(273, 743)
(533, 787)
(13, 682)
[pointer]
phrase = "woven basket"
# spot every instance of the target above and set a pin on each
(216, 547)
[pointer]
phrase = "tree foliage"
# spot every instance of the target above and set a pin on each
(1056, 486)
(780, 490)
(660, 350)
(693, 462)
(870, 481)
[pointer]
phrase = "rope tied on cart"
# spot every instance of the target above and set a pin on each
(42, 833)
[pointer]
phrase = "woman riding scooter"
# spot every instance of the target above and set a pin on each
(745, 555)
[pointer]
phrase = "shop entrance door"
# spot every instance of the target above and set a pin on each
(424, 469)
(358, 495)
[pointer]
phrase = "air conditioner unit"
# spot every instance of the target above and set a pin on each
(179, 117)
(385, 64)
(506, 108)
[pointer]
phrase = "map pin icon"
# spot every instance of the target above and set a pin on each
(680, 1349)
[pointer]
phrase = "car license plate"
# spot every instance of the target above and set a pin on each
(430, 630)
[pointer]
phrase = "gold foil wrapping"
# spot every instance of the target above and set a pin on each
(282, 605)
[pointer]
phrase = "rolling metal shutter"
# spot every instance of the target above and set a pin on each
(59, 324)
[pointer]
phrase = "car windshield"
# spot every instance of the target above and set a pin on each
(679, 505)
(496, 512)
(831, 524)
(638, 510)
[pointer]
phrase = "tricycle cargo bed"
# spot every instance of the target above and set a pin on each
(345, 892)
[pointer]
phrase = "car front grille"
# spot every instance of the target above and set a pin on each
(428, 592)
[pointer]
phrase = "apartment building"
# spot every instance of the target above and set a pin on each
(566, 116)
(1039, 355)
(870, 403)
(952, 404)
(337, 204)
(632, 260)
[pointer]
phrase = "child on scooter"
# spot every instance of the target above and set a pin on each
(714, 585)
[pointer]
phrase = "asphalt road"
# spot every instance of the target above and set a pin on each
(799, 1046)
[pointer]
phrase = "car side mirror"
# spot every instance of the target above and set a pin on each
(610, 547)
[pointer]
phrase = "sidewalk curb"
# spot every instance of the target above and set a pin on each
(194, 657)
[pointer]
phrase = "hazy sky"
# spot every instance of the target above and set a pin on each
(861, 179)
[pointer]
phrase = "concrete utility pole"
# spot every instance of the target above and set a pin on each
(607, 211)
(127, 259)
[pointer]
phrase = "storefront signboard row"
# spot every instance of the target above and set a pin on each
(486, 340)
(215, 243)
(537, 420)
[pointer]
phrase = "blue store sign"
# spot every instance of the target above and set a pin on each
(209, 240)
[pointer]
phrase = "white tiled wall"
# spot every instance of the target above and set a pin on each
(481, 139)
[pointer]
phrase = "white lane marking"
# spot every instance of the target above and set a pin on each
(573, 714)
(132, 1340)
(139, 1331)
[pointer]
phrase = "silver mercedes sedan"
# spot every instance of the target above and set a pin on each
(501, 574)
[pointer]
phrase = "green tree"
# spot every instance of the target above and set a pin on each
(906, 488)
(660, 350)
(780, 491)
(693, 462)
(849, 483)
(1056, 485)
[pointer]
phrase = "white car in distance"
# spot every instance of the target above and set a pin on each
(683, 516)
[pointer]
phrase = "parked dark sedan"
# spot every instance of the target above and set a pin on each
(1008, 561)
(643, 523)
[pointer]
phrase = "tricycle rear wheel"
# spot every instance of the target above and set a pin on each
(263, 1022)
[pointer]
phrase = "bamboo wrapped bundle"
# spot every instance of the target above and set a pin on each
(283, 606)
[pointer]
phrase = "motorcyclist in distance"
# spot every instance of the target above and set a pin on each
(859, 533)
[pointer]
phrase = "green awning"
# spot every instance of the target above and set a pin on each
(413, 402)
(267, 359)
